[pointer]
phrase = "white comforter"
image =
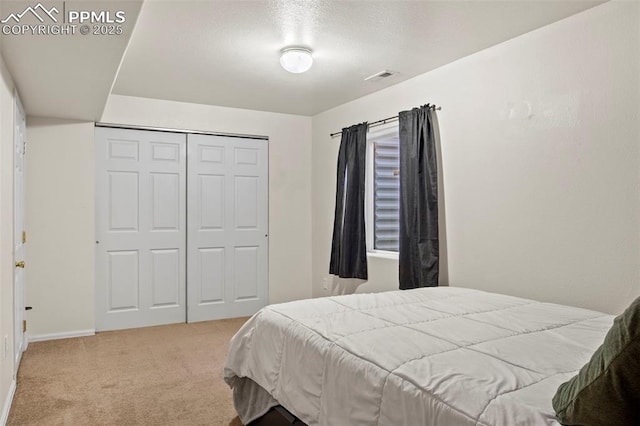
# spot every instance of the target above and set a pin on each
(434, 356)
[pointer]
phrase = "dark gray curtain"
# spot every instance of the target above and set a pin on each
(348, 248)
(418, 255)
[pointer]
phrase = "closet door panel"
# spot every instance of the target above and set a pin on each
(140, 228)
(227, 266)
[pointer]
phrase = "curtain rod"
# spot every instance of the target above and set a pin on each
(386, 120)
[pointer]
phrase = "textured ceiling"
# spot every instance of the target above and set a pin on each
(227, 52)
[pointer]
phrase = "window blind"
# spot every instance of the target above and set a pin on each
(386, 195)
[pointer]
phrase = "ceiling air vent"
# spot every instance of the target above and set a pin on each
(380, 75)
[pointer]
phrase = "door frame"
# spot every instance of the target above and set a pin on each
(20, 339)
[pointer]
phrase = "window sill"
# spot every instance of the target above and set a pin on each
(383, 255)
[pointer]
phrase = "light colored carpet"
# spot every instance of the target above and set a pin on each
(167, 375)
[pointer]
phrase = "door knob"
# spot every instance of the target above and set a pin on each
(20, 264)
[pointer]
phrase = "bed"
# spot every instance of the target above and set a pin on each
(432, 356)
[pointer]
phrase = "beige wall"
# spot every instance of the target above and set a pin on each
(6, 234)
(540, 163)
(60, 218)
(61, 198)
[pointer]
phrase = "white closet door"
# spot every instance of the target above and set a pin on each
(140, 228)
(227, 266)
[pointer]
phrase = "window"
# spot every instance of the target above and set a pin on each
(383, 192)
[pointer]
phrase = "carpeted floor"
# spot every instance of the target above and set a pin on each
(167, 375)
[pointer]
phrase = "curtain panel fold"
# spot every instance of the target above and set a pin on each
(419, 245)
(348, 247)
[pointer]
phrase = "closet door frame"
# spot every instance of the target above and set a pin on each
(236, 304)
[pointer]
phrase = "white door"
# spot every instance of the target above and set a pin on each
(19, 235)
(140, 228)
(227, 264)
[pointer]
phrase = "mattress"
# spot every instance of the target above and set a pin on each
(431, 356)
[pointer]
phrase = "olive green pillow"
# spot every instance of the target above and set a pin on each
(606, 391)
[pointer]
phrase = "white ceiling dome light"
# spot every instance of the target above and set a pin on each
(296, 59)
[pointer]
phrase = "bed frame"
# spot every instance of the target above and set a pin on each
(277, 416)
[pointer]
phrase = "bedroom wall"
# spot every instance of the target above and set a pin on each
(60, 218)
(7, 384)
(61, 183)
(540, 163)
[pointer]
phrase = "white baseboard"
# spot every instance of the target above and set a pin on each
(7, 404)
(56, 336)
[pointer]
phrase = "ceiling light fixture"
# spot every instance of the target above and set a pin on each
(296, 59)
